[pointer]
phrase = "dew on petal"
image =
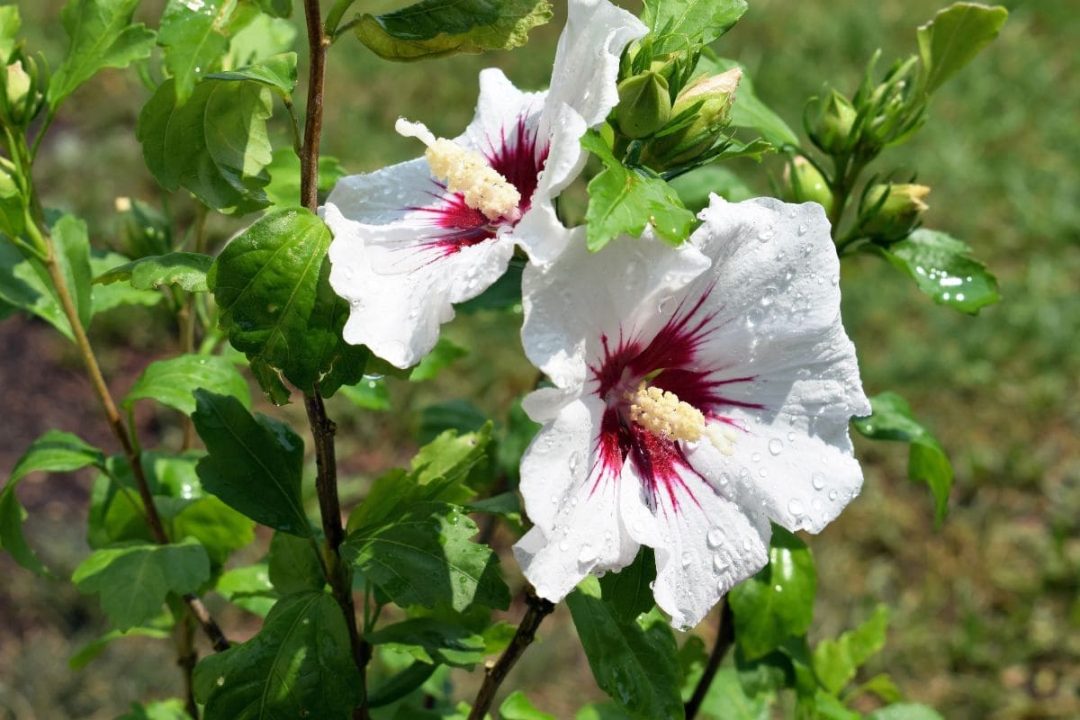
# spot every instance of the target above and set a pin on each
(686, 559)
(714, 538)
(719, 563)
(776, 446)
(832, 495)
(587, 554)
(796, 508)
(818, 481)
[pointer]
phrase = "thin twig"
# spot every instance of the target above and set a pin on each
(116, 423)
(725, 637)
(322, 428)
(187, 658)
(539, 609)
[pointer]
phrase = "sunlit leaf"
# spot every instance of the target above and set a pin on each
(942, 268)
(194, 37)
(954, 37)
(185, 270)
(686, 24)
(172, 381)
(440, 27)
(836, 661)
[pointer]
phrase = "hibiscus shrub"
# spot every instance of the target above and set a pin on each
(695, 386)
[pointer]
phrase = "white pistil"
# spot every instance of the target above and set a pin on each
(663, 413)
(466, 172)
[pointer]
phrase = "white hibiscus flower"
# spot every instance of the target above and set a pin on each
(413, 239)
(700, 392)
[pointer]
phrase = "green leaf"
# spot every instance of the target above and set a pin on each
(728, 700)
(368, 394)
(219, 528)
(194, 38)
(10, 24)
(134, 580)
(183, 269)
(102, 36)
(401, 684)
(432, 641)
(892, 419)
(272, 285)
(451, 456)
(433, 28)
(905, 711)
(678, 25)
(518, 707)
(623, 201)
(165, 710)
(24, 284)
(299, 666)
(263, 37)
(215, 145)
(778, 602)
(635, 663)
(284, 187)
(249, 588)
(749, 111)
(954, 37)
(823, 706)
(277, 8)
(86, 654)
(171, 382)
(254, 463)
(836, 661)
(294, 565)
(458, 415)
(628, 592)
(73, 256)
(942, 268)
(441, 356)
(109, 297)
(55, 451)
(422, 556)
(695, 187)
(277, 72)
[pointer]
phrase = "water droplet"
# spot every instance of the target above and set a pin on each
(719, 563)
(832, 495)
(564, 546)
(714, 538)
(796, 508)
(756, 457)
(722, 586)
(686, 559)
(587, 555)
(818, 481)
(575, 461)
(791, 435)
(766, 234)
(776, 446)
(221, 680)
(778, 588)
(959, 297)
(768, 296)
(554, 499)
(803, 229)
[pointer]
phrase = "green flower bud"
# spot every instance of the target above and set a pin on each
(898, 209)
(20, 99)
(714, 97)
(18, 84)
(830, 128)
(644, 105)
(803, 183)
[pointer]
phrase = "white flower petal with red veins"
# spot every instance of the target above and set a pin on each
(406, 248)
(751, 382)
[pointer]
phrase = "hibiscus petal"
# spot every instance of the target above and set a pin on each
(705, 544)
(583, 83)
(499, 111)
(570, 304)
(774, 300)
(398, 315)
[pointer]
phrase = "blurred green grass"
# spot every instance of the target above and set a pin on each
(987, 620)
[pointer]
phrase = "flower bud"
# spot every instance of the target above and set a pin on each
(18, 84)
(898, 209)
(644, 105)
(20, 100)
(714, 97)
(804, 183)
(830, 128)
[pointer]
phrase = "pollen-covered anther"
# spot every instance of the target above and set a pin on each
(663, 413)
(466, 172)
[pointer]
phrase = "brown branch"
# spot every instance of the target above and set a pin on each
(725, 637)
(539, 609)
(322, 428)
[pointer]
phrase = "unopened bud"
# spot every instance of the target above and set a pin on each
(714, 97)
(804, 183)
(830, 127)
(644, 105)
(18, 84)
(898, 209)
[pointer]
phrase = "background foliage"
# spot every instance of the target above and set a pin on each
(985, 618)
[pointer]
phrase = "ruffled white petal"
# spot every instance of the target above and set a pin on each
(577, 525)
(498, 111)
(397, 310)
(704, 546)
(584, 295)
(583, 89)
(776, 298)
